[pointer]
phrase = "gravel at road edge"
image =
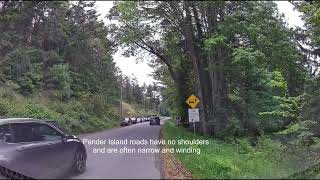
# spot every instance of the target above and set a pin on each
(171, 167)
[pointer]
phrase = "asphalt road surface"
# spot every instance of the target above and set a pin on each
(123, 165)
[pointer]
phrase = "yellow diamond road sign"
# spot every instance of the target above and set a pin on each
(193, 101)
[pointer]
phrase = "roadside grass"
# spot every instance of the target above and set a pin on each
(233, 159)
(310, 172)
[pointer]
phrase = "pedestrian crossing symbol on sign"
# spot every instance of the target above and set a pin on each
(193, 101)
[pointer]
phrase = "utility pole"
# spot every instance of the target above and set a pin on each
(144, 104)
(121, 98)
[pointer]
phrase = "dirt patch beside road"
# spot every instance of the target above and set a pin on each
(171, 167)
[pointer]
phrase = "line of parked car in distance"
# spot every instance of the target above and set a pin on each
(153, 119)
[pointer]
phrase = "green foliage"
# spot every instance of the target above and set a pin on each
(247, 58)
(301, 134)
(311, 16)
(58, 77)
(215, 41)
(234, 128)
(76, 116)
(310, 172)
(235, 159)
(25, 69)
(46, 44)
(293, 129)
(57, 55)
(278, 81)
(311, 109)
(287, 107)
(26, 85)
(254, 91)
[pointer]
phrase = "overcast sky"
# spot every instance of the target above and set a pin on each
(141, 70)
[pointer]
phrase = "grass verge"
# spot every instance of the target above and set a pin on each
(237, 159)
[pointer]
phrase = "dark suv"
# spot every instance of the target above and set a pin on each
(155, 120)
(31, 148)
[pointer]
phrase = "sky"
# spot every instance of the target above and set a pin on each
(141, 70)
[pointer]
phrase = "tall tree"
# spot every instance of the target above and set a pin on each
(209, 36)
(56, 46)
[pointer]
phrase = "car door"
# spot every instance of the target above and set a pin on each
(61, 152)
(27, 158)
(41, 151)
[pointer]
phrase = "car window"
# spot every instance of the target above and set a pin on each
(48, 133)
(57, 125)
(30, 132)
(5, 134)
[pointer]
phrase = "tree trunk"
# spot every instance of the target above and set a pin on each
(180, 83)
(219, 93)
(211, 84)
(198, 67)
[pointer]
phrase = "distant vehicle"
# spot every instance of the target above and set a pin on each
(155, 120)
(126, 122)
(139, 120)
(145, 119)
(134, 120)
(32, 148)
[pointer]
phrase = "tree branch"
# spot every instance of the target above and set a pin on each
(164, 59)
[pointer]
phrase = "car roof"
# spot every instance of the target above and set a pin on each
(19, 120)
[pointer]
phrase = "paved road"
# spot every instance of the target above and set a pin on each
(124, 166)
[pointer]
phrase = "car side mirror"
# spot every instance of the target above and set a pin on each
(65, 138)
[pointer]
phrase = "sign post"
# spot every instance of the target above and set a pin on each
(193, 113)
(194, 117)
(194, 128)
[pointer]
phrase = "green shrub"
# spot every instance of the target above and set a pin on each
(59, 77)
(3, 109)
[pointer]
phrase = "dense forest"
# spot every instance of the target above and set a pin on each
(257, 79)
(251, 72)
(56, 62)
